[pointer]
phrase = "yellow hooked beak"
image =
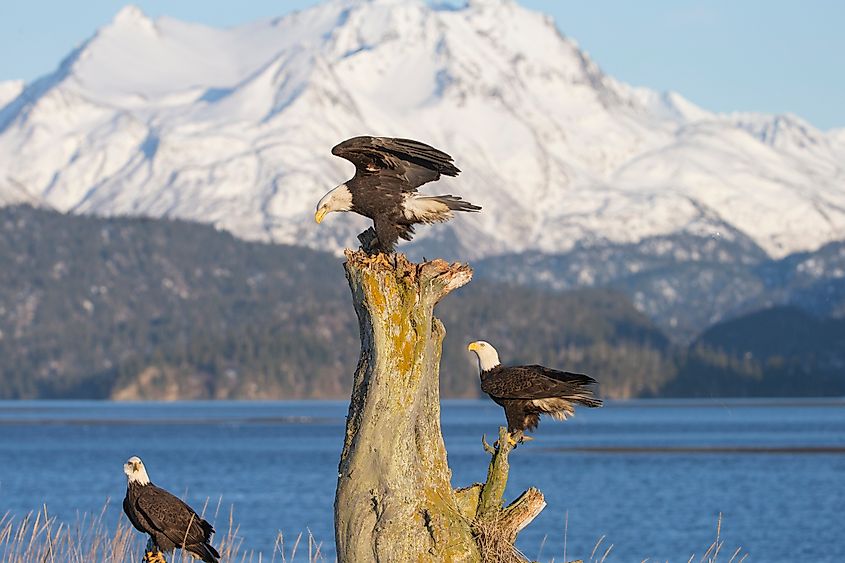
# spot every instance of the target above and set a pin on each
(320, 214)
(473, 346)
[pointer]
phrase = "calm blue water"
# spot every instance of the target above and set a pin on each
(650, 476)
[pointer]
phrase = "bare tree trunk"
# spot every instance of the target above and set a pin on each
(495, 526)
(394, 498)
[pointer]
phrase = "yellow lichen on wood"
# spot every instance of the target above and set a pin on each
(467, 499)
(493, 490)
(377, 299)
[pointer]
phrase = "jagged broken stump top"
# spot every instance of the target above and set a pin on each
(449, 276)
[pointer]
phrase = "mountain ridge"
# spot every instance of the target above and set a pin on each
(233, 127)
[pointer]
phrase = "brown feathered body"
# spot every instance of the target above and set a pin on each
(168, 521)
(388, 172)
(526, 392)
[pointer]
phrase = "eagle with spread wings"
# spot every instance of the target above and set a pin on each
(388, 172)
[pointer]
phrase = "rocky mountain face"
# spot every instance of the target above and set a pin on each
(233, 127)
(687, 283)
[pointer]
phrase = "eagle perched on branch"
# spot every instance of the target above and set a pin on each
(168, 521)
(526, 392)
(387, 174)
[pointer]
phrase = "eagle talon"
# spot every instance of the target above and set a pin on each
(510, 441)
(154, 557)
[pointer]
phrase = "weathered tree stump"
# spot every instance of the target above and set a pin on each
(394, 499)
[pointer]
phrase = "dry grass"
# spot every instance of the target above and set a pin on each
(711, 555)
(492, 546)
(603, 549)
(41, 538)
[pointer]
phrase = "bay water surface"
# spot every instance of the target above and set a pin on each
(649, 478)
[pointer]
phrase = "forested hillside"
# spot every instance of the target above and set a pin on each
(133, 309)
(785, 350)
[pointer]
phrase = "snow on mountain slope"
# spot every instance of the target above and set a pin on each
(9, 90)
(234, 126)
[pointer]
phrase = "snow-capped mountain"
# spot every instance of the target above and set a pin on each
(234, 126)
(9, 90)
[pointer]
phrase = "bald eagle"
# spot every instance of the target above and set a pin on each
(526, 392)
(387, 174)
(168, 521)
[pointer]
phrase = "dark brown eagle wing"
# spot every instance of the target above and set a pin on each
(561, 376)
(173, 517)
(533, 382)
(130, 513)
(399, 164)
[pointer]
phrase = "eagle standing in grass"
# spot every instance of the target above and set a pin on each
(168, 521)
(526, 392)
(387, 174)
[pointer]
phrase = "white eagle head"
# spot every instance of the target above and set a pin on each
(488, 358)
(338, 199)
(135, 471)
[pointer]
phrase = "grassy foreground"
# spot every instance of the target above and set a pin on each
(40, 538)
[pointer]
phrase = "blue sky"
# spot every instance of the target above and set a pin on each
(725, 55)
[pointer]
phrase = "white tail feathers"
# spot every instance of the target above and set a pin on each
(434, 209)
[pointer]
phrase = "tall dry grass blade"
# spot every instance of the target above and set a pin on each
(542, 544)
(565, 533)
(317, 547)
(295, 545)
(595, 547)
(718, 536)
(217, 510)
(707, 553)
(606, 553)
(718, 549)
(733, 557)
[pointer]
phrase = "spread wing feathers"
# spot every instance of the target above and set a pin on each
(538, 383)
(175, 519)
(411, 162)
